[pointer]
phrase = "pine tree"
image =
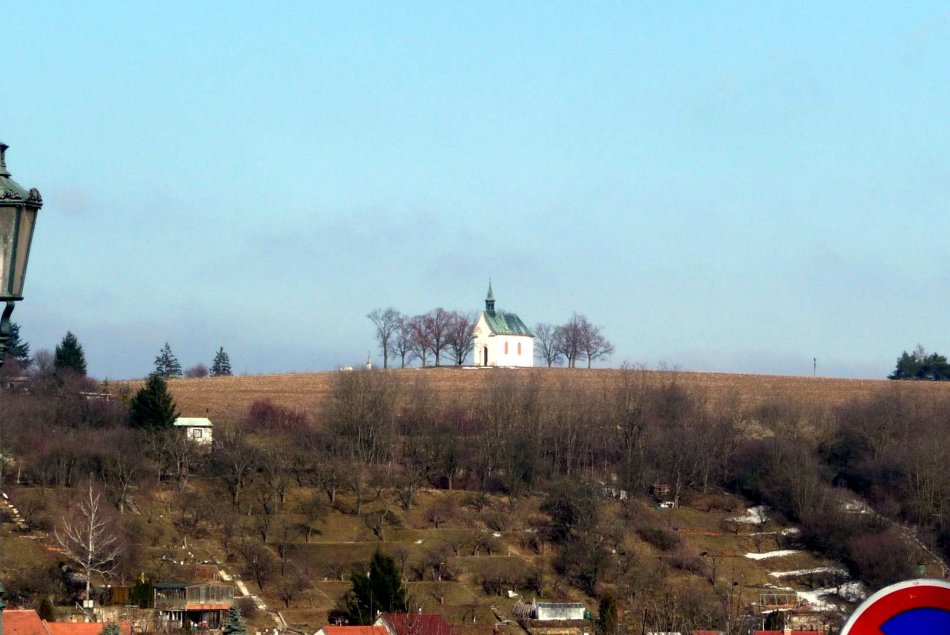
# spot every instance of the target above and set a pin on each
(166, 364)
(234, 625)
(69, 355)
(20, 351)
(221, 364)
(111, 628)
(152, 407)
(379, 591)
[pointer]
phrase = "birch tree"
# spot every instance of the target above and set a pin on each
(88, 539)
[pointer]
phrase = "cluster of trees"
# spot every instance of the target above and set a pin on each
(920, 365)
(168, 366)
(277, 471)
(70, 358)
(427, 337)
(575, 340)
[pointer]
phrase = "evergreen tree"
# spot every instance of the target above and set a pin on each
(379, 591)
(607, 621)
(234, 625)
(920, 365)
(20, 351)
(111, 629)
(69, 355)
(221, 364)
(46, 610)
(152, 407)
(166, 364)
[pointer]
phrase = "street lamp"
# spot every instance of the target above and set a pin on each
(18, 209)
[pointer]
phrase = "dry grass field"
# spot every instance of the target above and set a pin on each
(227, 398)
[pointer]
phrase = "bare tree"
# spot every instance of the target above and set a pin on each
(361, 418)
(122, 464)
(88, 539)
(593, 343)
(403, 343)
(460, 335)
(197, 371)
(387, 323)
(421, 337)
(572, 338)
(439, 324)
(547, 343)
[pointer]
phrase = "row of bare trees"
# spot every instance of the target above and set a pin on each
(430, 336)
(427, 337)
(575, 340)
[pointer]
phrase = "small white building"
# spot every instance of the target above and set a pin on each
(501, 338)
(198, 429)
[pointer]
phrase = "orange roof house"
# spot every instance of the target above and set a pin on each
(414, 624)
(28, 622)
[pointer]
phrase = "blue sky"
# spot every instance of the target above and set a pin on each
(720, 186)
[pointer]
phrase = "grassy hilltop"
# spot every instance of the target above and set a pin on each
(229, 397)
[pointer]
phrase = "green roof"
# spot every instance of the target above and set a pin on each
(502, 323)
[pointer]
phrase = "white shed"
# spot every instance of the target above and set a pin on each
(198, 429)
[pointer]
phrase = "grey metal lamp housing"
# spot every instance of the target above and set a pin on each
(18, 210)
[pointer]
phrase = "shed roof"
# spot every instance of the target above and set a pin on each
(194, 422)
(22, 622)
(504, 323)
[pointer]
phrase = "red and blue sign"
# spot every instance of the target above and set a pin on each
(916, 607)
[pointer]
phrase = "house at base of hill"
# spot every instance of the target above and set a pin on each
(196, 429)
(414, 624)
(28, 622)
(553, 618)
(179, 605)
(500, 338)
(551, 611)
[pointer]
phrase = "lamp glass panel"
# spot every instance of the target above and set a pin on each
(24, 239)
(8, 216)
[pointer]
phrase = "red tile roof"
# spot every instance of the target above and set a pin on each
(81, 628)
(416, 624)
(27, 622)
(23, 622)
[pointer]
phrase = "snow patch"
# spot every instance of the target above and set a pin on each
(822, 599)
(771, 554)
(798, 572)
(753, 516)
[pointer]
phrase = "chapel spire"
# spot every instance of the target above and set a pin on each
(490, 299)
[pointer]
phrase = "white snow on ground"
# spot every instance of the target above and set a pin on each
(788, 531)
(771, 554)
(856, 506)
(753, 516)
(792, 574)
(820, 599)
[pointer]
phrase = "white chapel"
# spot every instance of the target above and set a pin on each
(501, 338)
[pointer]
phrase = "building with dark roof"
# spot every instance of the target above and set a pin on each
(501, 338)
